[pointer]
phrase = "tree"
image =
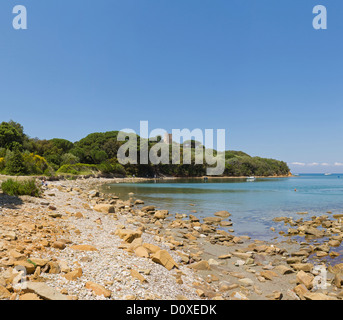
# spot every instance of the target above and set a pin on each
(15, 164)
(10, 137)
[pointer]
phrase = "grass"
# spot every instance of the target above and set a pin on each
(20, 188)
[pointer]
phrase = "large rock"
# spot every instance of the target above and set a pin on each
(306, 267)
(201, 265)
(44, 291)
(98, 289)
(164, 258)
(104, 208)
(222, 214)
(314, 232)
(30, 267)
(142, 252)
(317, 296)
(29, 297)
(73, 275)
(4, 293)
(212, 220)
(305, 278)
(148, 208)
(83, 247)
(161, 214)
(137, 275)
(128, 235)
(151, 247)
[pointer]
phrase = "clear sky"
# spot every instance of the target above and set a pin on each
(256, 68)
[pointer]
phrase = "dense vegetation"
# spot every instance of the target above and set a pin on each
(97, 153)
(21, 188)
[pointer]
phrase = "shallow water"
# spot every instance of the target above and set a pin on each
(253, 205)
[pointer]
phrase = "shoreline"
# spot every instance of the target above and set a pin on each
(88, 245)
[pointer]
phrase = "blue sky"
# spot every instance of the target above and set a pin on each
(256, 68)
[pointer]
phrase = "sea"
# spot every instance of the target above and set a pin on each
(253, 204)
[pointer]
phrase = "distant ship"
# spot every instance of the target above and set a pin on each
(251, 179)
(327, 174)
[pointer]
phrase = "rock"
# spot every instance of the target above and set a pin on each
(137, 202)
(317, 296)
(30, 267)
(334, 243)
(83, 247)
(294, 260)
(222, 214)
(200, 293)
(236, 295)
(213, 262)
(11, 235)
(137, 275)
(283, 269)
(128, 235)
(17, 255)
(98, 289)
(314, 232)
(29, 297)
(225, 256)
(212, 220)
(246, 282)
(201, 265)
(161, 214)
(73, 275)
(338, 280)
(64, 266)
(193, 218)
(151, 247)
(163, 257)
(52, 208)
(300, 290)
(338, 268)
(44, 291)
(39, 262)
(307, 267)
(104, 208)
(276, 295)
(239, 263)
(242, 255)
(305, 278)
(225, 223)
(55, 215)
(59, 245)
(78, 215)
(268, 274)
(93, 194)
(4, 293)
(54, 267)
(142, 252)
(148, 208)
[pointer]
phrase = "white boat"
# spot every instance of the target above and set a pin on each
(251, 179)
(327, 174)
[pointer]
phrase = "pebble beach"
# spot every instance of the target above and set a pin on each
(76, 243)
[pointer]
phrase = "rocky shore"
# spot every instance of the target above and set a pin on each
(76, 243)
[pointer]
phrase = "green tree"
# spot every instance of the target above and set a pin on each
(15, 164)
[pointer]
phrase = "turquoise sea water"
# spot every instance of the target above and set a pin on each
(253, 205)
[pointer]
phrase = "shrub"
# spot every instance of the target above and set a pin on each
(69, 158)
(20, 188)
(35, 164)
(78, 168)
(2, 164)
